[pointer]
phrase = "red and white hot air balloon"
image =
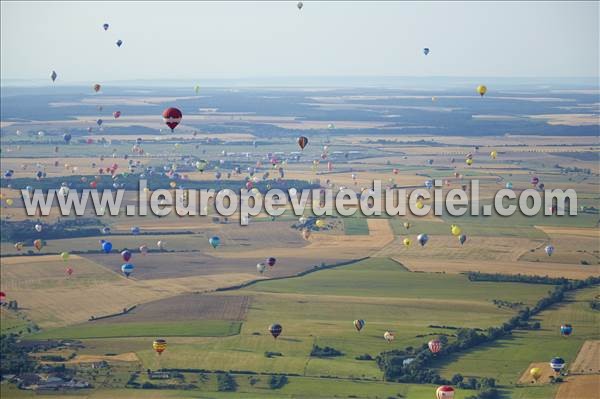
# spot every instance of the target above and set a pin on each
(172, 117)
(444, 392)
(435, 345)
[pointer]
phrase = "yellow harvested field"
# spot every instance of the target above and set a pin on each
(545, 369)
(507, 267)
(588, 359)
(570, 231)
(569, 119)
(46, 295)
(579, 387)
(325, 245)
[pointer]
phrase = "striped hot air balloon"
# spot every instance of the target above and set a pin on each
(566, 330)
(359, 324)
(172, 116)
(302, 141)
(435, 345)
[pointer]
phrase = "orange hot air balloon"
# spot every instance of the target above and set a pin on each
(38, 244)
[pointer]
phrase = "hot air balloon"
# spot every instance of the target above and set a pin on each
(68, 271)
(64, 256)
(38, 227)
(388, 336)
(161, 245)
(406, 225)
(299, 5)
(97, 87)
(172, 117)
(197, 89)
(38, 244)
(143, 249)
(19, 246)
(135, 230)
(2, 296)
(455, 230)
(271, 261)
(275, 330)
(493, 154)
(359, 324)
(67, 138)
(426, 50)
(53, 76)
(422, 239)
(159, 346)
(306, 234)
(444, 392)
(302, 142)
(469, 161)
(127, 269)
(536, 373)
(435, 345)
(509, 185)
(106, 246)
(462, 239)
(99, 122)
(566, 330)
(481, 89)
(126, 255)
(105, 26)
(261, 267)
(549, 249)
(406, 242)
(557, 364)
(320, 223)
(214, 241)
(119, 43)
(535, 180)
(116, 114)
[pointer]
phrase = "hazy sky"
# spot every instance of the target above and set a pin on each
(188, 40)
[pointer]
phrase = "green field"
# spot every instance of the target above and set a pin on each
(204, 328)
(356, 226)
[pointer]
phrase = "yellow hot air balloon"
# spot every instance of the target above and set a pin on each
(9, 201)
(407, 225)
(420, 204)
(159, 345)
(64, 256)
(481, 89)
(536, 373)
(493, 154)
(455, 230)
(388, 336)
(406, 242)
(469, 161)
(320, 223)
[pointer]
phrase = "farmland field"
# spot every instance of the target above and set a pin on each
(310, 302)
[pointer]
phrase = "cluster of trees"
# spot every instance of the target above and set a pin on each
(14, 359)
(277, 381)
(507, 304)
(411, 365)
(516, 278)
(14, 231)
(226, 382)
(595, 304)
(327, 351)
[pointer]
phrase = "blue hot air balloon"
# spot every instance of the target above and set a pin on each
(135, 230)
(214, 241)
(422, 239)
(426, 50)
(566, 330)
(106, 246)
(105, 26)
(557, 364)
(119, 43)
(127, 269)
